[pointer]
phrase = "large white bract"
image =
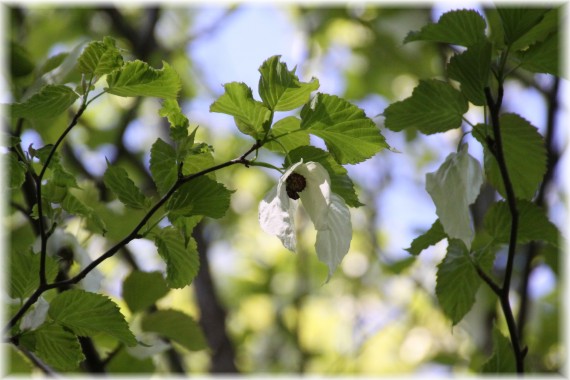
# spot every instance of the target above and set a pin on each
(328, 212)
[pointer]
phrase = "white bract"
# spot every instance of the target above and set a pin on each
(328, 212)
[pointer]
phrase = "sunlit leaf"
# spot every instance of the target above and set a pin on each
(453, 187)
(142, 289)
(280, 89)
(177, 326)
(88, 314)
(350, 136)
(100, 57)
(181, 259)
(457, 282)
(459, 27)
(291, 135)
(48, 103)
(434, 106)
(75, 207)
(137, 78)
(251, 116)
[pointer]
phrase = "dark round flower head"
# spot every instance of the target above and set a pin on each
(294, 184)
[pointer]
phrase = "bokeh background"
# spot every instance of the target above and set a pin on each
(270, 309)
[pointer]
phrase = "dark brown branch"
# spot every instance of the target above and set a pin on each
(497, 150)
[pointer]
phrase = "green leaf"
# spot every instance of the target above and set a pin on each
(502, 360)
(163, 166)
(200, 196)
(142, 289)
(434, 107)
(21, 62)
(52, 63)
(432, 236)
(542, 57)
(457, 282)
(350, 136)
(460, 27)
(46, 104)
(471, 68)
(124, 364)
(171, 110)
(251, 116)
(100, 58)
(137, 78)
(181, 259)
(548, 24)
(453, 187)
(292, 136)
(280, 89)
(518, 21)
(533, 224)
(16, 171)
(88, 314)
(341, 183)
(24, 273)
(525, 155)
(117, 179)
(58, 347)
(177, 326)
(60, 176)
(199, 158)
(75, 207)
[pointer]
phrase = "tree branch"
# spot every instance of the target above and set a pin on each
(497, 150)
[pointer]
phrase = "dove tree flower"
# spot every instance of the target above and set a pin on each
(310, 184)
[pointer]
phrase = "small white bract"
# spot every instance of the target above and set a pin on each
(328, 212)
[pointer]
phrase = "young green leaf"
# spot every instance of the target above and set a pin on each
(518, 21)
(60, 176)
(525, 155)
(350, 136)
(434, 107)
(453, 187)
(457, 282)
(100, 58)
(280, 89)
(137, 78)
(142, 289)
(88, 314)
(58, 347)
(502, 360)
(124, 364)
(182, 261)
(117, 179)
(16, 171)
(201, 196)
(471, 68)
(199, 158)
(171, 110)
(46, 104)
(432, 236)
(163, 166)
(24, 273)
(292, 136)
(533, 224)
(341, 183)
(251, 116)
(460, 27)
(177, 326)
